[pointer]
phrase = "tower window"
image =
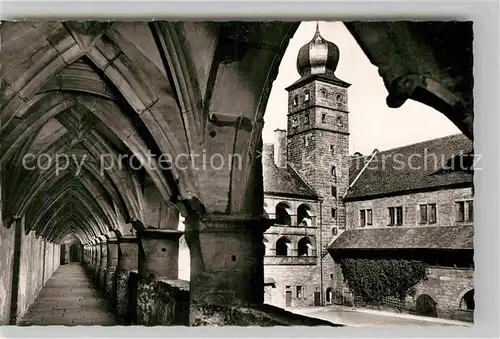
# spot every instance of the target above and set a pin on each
(306, 96)
(334, 173)
(334, 231)
(332, 149)
(323, 117)
(334, 191)
(295, 100)
(334, 213)
(339, 121)
(323, 93)
(306, 119)
(339, 97)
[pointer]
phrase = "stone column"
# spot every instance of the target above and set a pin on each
(227, 265)
(158, 259)
(103, 265)
(97, 261)
(84, 256)
(111, 270)
(127, 262)
(93, 260)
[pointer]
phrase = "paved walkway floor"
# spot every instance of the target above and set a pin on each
(69, 298)
(351, 316)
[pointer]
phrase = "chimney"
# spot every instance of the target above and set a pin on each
(280, 157)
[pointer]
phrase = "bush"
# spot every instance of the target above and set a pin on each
(372, 280)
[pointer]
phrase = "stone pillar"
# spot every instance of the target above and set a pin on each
(158, 258)
(97, 261)
(93, 258)
(227, 265)
(84, 256)
(127, 262)
(112, 264)
(103, 265)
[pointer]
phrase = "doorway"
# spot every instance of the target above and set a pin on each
(288, 298)
(74, 253)
(317, 298)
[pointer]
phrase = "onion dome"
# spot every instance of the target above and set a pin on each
(319, 56)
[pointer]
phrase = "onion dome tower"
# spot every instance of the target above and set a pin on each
(318, 56)
(318, 134)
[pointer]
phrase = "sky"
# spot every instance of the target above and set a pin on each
(372, 123)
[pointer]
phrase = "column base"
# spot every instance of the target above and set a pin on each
(147, 302)
(102, 279)
(111, 285)
(122, 292)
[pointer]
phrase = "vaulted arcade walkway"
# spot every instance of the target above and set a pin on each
(110, 131)
(70, 298)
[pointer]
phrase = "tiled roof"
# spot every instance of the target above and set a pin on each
(283, 181)
(409, 168)
(420, 237)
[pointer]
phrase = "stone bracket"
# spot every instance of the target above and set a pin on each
(225, 119)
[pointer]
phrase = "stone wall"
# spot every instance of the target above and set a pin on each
(6, 263)
(39, 259)
(173, 300)
(173, 305)
(444, 199)
(292, 270)
(446, 286)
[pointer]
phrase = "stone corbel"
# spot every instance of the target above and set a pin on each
(225, 119)
(430, 92)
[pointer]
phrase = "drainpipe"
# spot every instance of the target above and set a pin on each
(322, 303)
(375, 151)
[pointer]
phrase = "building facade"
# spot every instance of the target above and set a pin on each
(411, 202)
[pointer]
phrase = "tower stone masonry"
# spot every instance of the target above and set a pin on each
(318, 131)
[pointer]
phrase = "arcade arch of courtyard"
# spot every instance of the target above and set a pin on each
(91, 90)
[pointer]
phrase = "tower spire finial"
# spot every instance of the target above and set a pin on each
(317, 28)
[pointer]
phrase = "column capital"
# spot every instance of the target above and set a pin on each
(127, 239)
(160, 233)
(234, 223)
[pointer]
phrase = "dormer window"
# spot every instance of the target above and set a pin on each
(306, 96)
(295, 100)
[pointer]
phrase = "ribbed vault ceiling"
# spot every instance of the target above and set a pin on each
(78, 91)
(102, 90)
